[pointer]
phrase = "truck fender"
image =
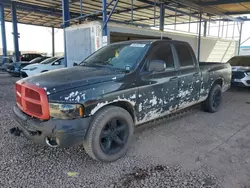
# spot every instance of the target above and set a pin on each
(123, 103)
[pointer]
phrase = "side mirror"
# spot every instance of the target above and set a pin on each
(75, 64)
(156, 66)
(56, 63)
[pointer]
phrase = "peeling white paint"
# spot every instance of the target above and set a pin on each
(153, 101)
(133, 97)
(45, 88)
(183, 94)
(84, 96)
(37, 84)
(71, 95)
(114, 78)
(140, 107)
(78, 98)
(48, 93)
(98, 106)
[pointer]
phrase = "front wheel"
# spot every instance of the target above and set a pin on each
(110, 134)
(214, 100)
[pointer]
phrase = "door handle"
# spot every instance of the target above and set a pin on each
(174, 78)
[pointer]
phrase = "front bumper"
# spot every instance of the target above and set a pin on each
(13, 72)
(23, 74)
(244, 82)
(68, 132)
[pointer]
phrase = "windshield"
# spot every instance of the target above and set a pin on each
(243, 61)
(50, 60)
(38, 59)
(121, 56)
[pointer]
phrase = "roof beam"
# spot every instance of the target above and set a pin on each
(222, 2)
(36, 8)
(238, 13)
(170, 8)
(206, 9)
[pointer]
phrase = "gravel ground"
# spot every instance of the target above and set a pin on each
(197, 150)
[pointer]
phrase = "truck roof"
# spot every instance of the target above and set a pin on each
(150, 41)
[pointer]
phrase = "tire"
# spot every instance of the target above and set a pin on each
(100, 136)
(214, 100)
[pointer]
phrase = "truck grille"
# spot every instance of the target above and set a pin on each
(32, 100)
(238, 75)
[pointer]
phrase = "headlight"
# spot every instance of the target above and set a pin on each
(34, 68)
(66, 111)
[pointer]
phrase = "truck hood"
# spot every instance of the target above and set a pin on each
(68, 78)
(240, 68)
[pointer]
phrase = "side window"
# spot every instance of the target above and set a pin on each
(163, 52)
(184, 55)
(61, 62)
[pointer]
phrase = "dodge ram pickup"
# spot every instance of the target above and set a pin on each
(99, 102)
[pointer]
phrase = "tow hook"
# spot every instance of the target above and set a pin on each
(15, 131)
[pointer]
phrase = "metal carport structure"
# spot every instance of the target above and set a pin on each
(143, 13)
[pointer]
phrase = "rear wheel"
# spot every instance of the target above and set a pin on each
(110, 134)
(214, 100)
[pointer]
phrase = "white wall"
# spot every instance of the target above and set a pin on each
(84, 39)
(212, 49)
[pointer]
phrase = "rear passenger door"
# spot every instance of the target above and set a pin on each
(158, 90)
(189, 81)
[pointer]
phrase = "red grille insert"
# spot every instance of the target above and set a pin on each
(32, 100)
(32, 94)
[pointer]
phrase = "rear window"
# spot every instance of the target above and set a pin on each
(243, 61)
(184, 55)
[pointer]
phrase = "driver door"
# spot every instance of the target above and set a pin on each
(158, 90)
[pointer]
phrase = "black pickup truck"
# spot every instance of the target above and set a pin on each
(99, 102)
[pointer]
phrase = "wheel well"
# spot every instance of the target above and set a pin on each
(218, 82)
(126, 106)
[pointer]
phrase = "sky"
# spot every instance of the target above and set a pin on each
(35, 38)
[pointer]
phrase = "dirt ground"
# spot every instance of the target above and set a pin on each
(197, 150)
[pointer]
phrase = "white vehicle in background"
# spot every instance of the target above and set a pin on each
(52, 63)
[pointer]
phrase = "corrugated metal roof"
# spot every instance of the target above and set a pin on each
(49, 12)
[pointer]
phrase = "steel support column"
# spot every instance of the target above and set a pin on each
(205, 29)
(15, 31)
(104, 17)
(66, 23)
(132, 11)
(104, 23)
(162, 16)
(53, 41)
(199, 39)
(4, 43)
(241, 27)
